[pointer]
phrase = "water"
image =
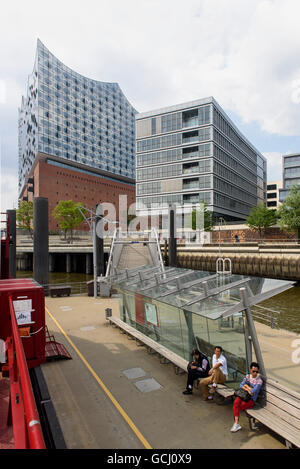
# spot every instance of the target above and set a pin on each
(287, 303)
(77, 281)
(58, 277)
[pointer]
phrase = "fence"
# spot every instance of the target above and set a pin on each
(266, 316)
(77, 288)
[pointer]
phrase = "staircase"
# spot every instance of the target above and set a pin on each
(129, 252)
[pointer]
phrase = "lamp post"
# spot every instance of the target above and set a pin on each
(92, 223)
(221, 221)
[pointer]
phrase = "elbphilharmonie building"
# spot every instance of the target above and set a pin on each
(71, 121)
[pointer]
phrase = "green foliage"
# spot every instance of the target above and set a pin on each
(207, 219)
(261, 218)
(68, 216)
(289, 212)
(24, 215)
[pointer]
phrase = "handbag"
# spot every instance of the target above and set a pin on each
(243, 394)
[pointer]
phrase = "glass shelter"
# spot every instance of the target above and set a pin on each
(183, 309)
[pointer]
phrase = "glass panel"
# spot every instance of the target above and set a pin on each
(180, 327)
(229, 334)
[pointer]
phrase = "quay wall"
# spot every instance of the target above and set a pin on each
(273, 263)
(274, 260)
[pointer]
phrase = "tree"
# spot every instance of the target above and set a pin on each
(207, 219)
(24, 215)
(261, 218)
(289, 212)
(68, 215)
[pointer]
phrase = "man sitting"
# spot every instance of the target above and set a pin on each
(217, 374)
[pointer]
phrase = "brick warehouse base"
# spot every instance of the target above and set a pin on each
(58, 179)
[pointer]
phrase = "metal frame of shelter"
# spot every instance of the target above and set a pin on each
(146, 277)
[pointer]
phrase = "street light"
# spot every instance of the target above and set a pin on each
(221, 221)
(92, 223)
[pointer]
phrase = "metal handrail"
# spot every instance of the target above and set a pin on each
(154, 231)
(111, 252)
(31, 417)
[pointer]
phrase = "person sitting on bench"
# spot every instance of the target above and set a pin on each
(252, 384)
(217, 374)
(197, 368)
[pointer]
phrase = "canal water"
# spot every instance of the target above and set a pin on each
(286, 303)
(58, 277)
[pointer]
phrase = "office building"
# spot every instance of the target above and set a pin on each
(74, 124)
(192, 153)
(290, 173)
(273, 188)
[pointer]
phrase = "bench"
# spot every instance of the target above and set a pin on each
(59, 290)
(278, 408)
(166, 355)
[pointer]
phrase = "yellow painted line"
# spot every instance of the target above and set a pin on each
(105, 389)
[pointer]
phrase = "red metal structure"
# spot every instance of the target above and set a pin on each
(22, 347)
(26, 418)
(23, 413)
(5, 238)
(25, 348)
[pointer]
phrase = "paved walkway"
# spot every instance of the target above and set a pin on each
(281, 355)
(113, 394)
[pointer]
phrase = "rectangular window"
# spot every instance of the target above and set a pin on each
(153, 123)
(190, 118)
(190, 184)
(204, 115)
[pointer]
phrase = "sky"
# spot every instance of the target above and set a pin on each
(244, 53)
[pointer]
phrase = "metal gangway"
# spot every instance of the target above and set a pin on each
(130, 250)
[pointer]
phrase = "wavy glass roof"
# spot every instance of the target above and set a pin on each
(205, 293)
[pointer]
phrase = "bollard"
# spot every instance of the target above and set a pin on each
(40, 241)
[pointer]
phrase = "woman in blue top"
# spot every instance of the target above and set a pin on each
(252, 384)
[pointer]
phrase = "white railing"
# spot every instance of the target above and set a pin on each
(223, 261)
(111, 252)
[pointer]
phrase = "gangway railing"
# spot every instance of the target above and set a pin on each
(120, 239)
(23, 414)
(154, 234)
(221, 265)
(111, 253)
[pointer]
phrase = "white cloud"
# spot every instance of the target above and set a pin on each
(8, 193)
(274, 165)
(161, 53)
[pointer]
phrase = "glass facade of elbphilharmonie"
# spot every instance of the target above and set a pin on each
(75, 118)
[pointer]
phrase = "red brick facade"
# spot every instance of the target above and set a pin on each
(59, 183)
(247, 235)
